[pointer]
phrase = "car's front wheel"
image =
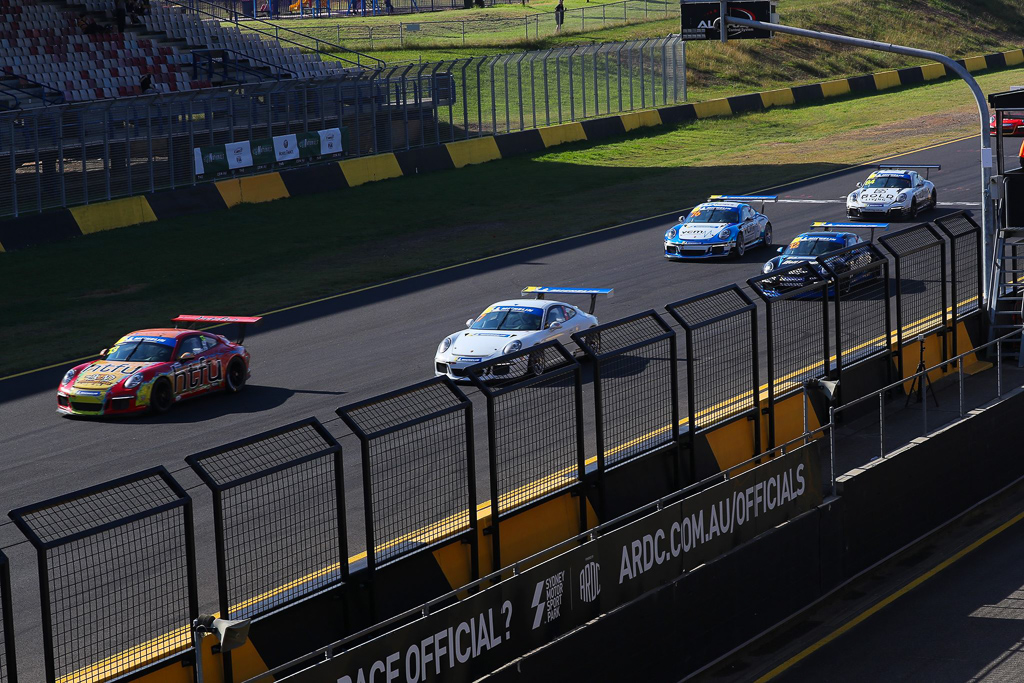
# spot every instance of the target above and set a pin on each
(536, 363)
(913, 208)
(741, 248)
(235, 380)
(162, 398)
(767, 239)
(934, 199)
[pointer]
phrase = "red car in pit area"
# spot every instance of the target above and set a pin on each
(154, 369)
(1013, 123)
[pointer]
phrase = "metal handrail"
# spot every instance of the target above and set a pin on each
(236, 65)
(920, 375)
(193, 7)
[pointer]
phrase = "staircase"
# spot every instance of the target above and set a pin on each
(1006, 288)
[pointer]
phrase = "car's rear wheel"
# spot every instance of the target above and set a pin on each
(767, 234)
(741, 248)
(162, 398)
(235, 380)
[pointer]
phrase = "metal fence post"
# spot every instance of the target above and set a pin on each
(7, 624)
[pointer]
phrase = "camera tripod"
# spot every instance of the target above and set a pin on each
(922, 377)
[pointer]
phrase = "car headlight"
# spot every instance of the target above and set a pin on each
(768, 267)
(852, 197)
(725, 234)
(444, 345)
(68, 376)
(902, 197)
(670, 234)
(512, 346)
(133, 381)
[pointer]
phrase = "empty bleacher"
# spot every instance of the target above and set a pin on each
(46, 57)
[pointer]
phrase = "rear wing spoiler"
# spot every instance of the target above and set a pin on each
(899, 167)
(828, 226)
(744, 198)
(594, 292)
(217, 320)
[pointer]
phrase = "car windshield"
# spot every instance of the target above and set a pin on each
(811, 247)
(710, 214)
(887, 181)
(517, 318)
(142, 351)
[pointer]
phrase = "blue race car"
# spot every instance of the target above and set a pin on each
(724, 225)
(808, 246)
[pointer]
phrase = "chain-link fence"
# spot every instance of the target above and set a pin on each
(419, 476)
(965, 286)
(473, 30)
(861, 309)
(919, 259)
(83, 153)
(720, 324)
(636, 396)
(279, 516)
(117, 575)
(534, 430)
(796, 320)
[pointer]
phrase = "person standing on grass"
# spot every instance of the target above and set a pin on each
(559, 16)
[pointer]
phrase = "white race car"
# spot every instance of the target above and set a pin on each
(509, 326)
(892, 191)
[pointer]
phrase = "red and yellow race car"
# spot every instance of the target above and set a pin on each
(154, 369)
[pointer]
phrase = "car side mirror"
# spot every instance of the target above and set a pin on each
(779, 250)
(555, 326)
(858, 184)
(469, 323)
(104, 352)
(188, 355)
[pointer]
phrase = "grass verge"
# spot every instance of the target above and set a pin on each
(74, 297)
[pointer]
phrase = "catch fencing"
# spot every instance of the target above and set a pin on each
(419, 473)
(720, 324)
(534, 431)
(636, 392)
(919, 258)
(118, 558)
(965, 284)
(117, 575)
(796, 320)
(82, 153)
(8, 669)
(478, 30)
(279, 516)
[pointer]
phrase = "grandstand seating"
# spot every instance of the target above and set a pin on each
(45, 56)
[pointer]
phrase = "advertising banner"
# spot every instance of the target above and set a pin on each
(210, 161)
(473, 637)
(309, 145)
(700, 19)
(330, 141)
(286, 148)
(239, 154)
(263, 153)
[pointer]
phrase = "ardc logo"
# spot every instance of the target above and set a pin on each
(590, 582)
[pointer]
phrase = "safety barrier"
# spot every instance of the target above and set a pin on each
(279, 505)
(8, 669)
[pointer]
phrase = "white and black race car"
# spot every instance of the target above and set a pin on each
(892, 191)
(509, 326)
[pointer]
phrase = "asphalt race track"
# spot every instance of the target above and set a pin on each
(312, 359)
